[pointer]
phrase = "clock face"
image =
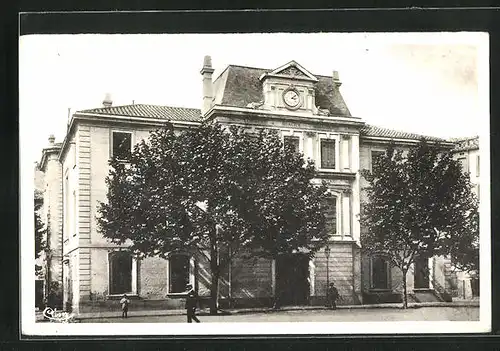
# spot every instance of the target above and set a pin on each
(291, 98)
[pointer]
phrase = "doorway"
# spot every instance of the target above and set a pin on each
(380, 273)
(292, 279)
(39, 294)
(421, 273)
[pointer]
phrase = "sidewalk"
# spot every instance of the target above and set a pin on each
(204, 312)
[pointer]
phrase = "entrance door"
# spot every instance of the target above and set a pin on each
(421, 273)
(292, 285)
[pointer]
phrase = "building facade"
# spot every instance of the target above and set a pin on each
(48, 182)
(466, 151)
(308, 111)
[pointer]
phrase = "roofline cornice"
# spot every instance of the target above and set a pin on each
(296, 116)
(48, 150)
(471, 148)
(121, 118)
(282, 76)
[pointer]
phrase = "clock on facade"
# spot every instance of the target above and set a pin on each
(291, 98)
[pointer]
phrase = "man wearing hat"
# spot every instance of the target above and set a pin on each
(191, 301)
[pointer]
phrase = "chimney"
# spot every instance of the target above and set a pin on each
(107, 102)
(52, 139)
(206, 72)
(336, 79)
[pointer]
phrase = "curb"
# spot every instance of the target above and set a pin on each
(155, 313)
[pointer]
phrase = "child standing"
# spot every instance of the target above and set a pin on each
(333, 295)
(124, 302)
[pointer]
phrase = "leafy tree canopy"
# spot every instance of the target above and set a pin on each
(419, 205)
(215, 188)
(40, 231)
(177, 185)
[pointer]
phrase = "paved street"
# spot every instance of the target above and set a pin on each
(341, 315)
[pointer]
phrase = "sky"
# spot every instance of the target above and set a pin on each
(434, 84)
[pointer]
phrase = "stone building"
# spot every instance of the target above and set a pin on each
(466, 151)
(308, 110)
(48, 182)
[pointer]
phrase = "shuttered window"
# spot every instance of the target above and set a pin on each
(328, 154)
(292, 142)
(331, 215)
(463, 164)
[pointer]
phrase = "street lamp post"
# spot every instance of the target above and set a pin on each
(327, 254)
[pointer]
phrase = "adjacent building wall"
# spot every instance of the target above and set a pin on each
(52, 217)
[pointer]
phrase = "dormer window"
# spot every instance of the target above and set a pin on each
(121, 145)
(289, 87)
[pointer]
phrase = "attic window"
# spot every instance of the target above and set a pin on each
(122, 145)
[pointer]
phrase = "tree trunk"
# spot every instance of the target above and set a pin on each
(214, 268)
(214, 288)
(405, 292)
(277, 288)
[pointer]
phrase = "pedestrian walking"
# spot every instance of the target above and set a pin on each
(191, 303)
(333, 295)
(125, 302)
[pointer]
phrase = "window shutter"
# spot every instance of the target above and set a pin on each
(331, 215)
(328, 154)
(293, 142)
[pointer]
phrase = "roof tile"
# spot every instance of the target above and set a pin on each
(374, 131)
(194, 115)
(243, 86)
(150, 111)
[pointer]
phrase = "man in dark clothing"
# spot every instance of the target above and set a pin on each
(333, 295)
(191, 302)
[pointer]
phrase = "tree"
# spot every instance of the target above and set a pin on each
(40, 231)
(464, 248)
(417, 206)
(216, 190)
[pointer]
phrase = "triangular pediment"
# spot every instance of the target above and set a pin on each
(291, 70)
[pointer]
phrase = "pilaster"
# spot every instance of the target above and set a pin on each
(355, 195)
(346, 213)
